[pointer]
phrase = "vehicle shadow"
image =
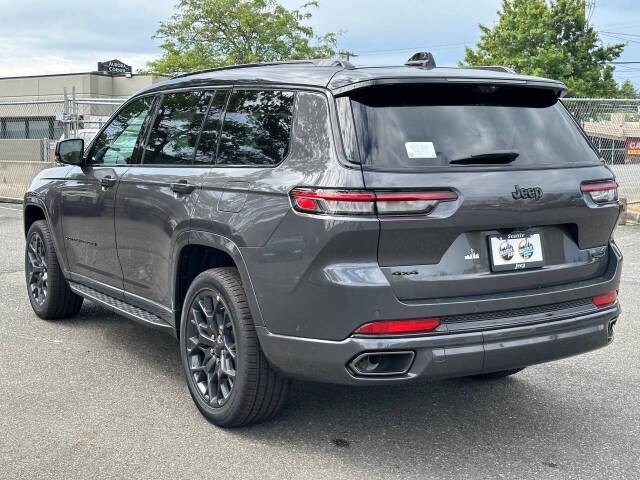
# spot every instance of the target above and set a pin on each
(399, 428)
(150, 347)
(437, 423)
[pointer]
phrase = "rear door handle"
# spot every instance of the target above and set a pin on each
(107, 181)
(182, 187)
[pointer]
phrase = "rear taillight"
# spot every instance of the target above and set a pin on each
(403, 203)
(395, 327)
(606, 299)
(361, 202)
(333, 202)
(604, 192)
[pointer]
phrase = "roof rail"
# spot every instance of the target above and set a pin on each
(421, 59)
(318, 62)
(495, 68)
(332, 62)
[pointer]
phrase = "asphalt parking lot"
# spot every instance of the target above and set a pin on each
(98, 396)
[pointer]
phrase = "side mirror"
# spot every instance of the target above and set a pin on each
(70, 151)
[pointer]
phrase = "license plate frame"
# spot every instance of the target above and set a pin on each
(524, 247)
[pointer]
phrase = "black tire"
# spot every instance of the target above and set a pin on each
(255, 392)
(497, 375)
(51, 298)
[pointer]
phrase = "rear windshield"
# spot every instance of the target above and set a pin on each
(426, 126)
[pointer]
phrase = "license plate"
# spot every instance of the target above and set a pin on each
(516, 251)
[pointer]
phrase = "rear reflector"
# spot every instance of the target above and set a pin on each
(399, 326)
(605, 192)
(606, 299)
(358, 202)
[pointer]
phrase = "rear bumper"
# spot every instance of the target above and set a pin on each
(441, 356)
(331, 297)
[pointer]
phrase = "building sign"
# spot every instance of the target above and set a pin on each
(114, 67)
(633, 146)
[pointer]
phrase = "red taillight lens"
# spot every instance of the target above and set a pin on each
(604, 192)
(333, 202)
(306, 204)
(399, 326)
(606, 299)
(336, 202)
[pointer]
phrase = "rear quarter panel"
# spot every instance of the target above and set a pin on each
(250, 207)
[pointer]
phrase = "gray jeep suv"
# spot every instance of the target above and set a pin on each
(314, 220)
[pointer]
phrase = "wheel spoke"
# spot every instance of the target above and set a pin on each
(210, 363)
(220, 319)
(230, 348)
(206, 341)
(33, 260)
(227, 370)
(210, 387)
(219, 394)
(207, 312)
(33, 244)
(193, 345)
(198, 319)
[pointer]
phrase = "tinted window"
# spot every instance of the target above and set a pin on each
(256, 128)
(208, 144)
(116, 144)
(417, 127)
(176, 128)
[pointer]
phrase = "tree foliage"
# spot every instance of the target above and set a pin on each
(628, 90)
(550, 39)
(212, 33)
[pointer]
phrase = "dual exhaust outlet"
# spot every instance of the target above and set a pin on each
(381, 363)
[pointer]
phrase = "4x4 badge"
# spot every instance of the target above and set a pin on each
(531, 192)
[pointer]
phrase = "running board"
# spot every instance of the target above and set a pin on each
(121, 308)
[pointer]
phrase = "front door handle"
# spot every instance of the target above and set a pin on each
(107, 181)
(182, 187)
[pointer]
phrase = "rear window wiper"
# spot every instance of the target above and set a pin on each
(499, 157)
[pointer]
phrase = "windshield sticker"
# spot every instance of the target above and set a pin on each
(420, 150)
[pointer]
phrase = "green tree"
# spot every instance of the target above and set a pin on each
(212, 33)
(550, 39)
(628, 90)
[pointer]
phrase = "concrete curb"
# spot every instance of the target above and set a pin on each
(633, 217)
(10, 200)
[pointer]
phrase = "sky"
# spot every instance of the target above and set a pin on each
(43, 37)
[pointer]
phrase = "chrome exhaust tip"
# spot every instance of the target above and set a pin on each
(612, 324)
(382, 363)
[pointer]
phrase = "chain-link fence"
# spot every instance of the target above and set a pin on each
(613, 125)
(30, 130)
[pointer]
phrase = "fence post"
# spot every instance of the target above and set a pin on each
(65, 114)
(74, 111)
(46, 150)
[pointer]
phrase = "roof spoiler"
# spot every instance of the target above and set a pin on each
(422, 59)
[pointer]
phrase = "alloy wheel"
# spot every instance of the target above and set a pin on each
(37, 269)
(211, 347)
